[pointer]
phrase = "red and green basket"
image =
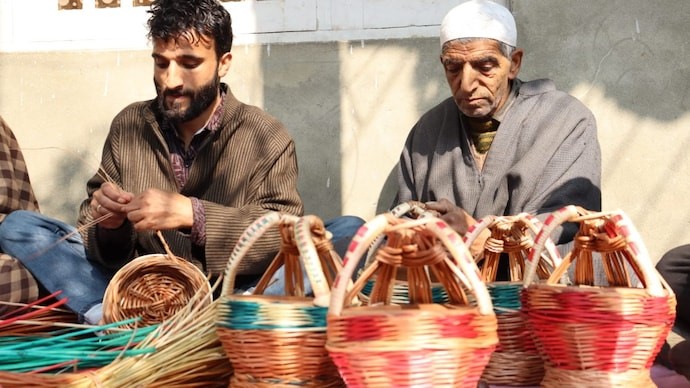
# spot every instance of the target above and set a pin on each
(278, 341)
(419, 343)
(516, 361)
(598, 335)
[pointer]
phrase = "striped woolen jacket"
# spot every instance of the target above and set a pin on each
(247, 169)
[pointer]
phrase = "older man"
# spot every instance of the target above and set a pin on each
(498, 145)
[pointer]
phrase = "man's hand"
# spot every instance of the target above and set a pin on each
(159, 210)
(458, 219)
(109, 199)
(455, 217)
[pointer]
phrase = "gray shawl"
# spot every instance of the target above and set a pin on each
(545, 155)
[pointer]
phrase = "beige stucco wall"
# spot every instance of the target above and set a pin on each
(349, 105)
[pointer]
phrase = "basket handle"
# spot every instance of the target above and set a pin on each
(532, 223)
(310, 259)
(416, 208)
(451, 240)
(622, 225)
(245, 242)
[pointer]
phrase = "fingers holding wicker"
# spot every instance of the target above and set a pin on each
(109, 200)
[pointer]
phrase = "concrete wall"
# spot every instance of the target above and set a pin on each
(350, 94)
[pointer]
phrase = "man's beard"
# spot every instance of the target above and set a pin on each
(199, 100)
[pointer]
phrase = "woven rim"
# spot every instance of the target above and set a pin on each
(153, 287)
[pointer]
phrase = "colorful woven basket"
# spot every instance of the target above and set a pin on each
(598, 335)
(516, 361)
(278, 341)
(154, 287)
(420, 343)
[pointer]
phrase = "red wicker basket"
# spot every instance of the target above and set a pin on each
(278, 341)
(598, 335)
(516, 361)
(421, 343)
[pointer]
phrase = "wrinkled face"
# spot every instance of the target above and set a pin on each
(187, 76)
(479, 75)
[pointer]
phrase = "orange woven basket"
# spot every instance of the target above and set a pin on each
(154, 287)
(420, 343)
(278, 341)
(598, 335)
(516, 361)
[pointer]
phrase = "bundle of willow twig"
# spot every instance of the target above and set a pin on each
(184, 350)
(34, 318)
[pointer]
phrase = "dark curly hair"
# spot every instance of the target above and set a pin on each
(173, 19)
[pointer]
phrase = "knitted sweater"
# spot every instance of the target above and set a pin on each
(247, 169)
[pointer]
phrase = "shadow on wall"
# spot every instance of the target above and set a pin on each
(634, 50)
(307, 93)
(69, 188)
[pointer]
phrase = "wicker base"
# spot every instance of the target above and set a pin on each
(514, 369)
(279, 358)
(560, 378)
(154, 287)
(516, 361)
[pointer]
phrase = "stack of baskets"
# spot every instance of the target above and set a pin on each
(598, 335)
(278, 341)
(420, 343)
(516, 361)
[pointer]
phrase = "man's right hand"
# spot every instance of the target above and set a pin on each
(458, 219)
(110, 199)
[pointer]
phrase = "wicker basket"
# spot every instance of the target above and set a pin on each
(598, 335)
(153, 287)
(278, 341)
(420, 344)
(516, 361)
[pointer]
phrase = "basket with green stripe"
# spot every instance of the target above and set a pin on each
(516, 360)
(278, 341)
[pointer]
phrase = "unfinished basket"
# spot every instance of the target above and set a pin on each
(598, 335)
(153, 287)
(420, 343)
(516, 360)
(278, 341)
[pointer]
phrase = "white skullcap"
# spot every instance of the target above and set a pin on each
(479, 19)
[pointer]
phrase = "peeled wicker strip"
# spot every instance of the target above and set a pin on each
(182, 351)
(278, 341)
(516, 361)
(593, 335)
(420, 343)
